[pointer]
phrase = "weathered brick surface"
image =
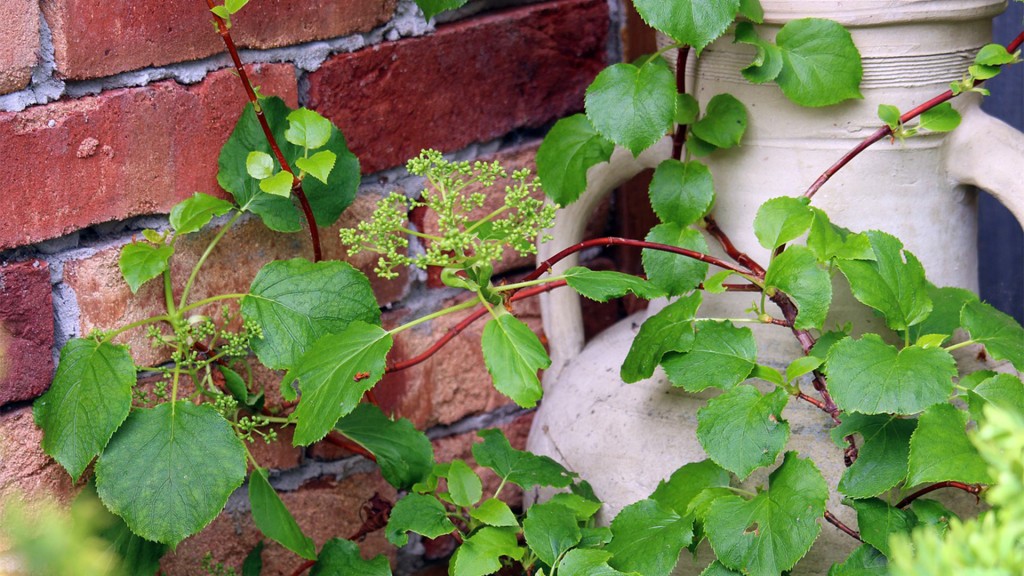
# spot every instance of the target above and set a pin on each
(472, 81)
(120, 154)
(24, 469)
(18, 43)
(94, 38)
(105, 301)
(26, 330)
(324, 508)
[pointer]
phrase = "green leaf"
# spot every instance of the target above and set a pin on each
(829, 241)
(432, 8)
(820, 64)
(234, 6)
(595, 537)
(494, 512)
(796, 272)
(307, 128)
(192, 214)
(273, 518)
(1002, 336)
(259, 165)
(648, 537)
(932, 514)
(687, 109)
(940, 449)
(88, 400)
(890, 115)
(692, 22)
(513, 354)
(941, 118)
(994, 55)
(782, 219)
(584, 508)
(931, 340)
(279, 184)
(137, 555)
(237, 386)
(685, 484)
(882, 453)
(141, 262)
(464, 485)
(722, 356)
(334, 375)
(724, 122)
(516, 466)
(632, 106)
(550, 531)
(767, 61)
(878, 521)
(1003, 390)
(404, 454)
(947, 304)
(802, 365)
(604, 285)
(587, 562)
(715, 284)
(670, 330)
(864, 561)
(568, 151)
(716, 568)
(743, 430)
(769, 533)
(894, 284)
(982, 72)
(752, 10)
(699, 148)
(169, 470)
(296, 302)
(318, 165)
(674, 273)
(681, 193)
(224, 13)
(342, 557)
(481, 553)
(872, 377)
(419, 513)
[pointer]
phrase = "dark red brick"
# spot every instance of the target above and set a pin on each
(472, 81)
(18, 44)
(26, 330)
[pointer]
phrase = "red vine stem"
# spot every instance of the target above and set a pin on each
(969, 488)
(679, 137)
(711, 225)
(886, 131)
(314, 234)
(843, 527)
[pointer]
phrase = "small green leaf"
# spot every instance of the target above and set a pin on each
(234, 6)
(751, 10)
(567, 152)
(141, 262)
(829, 241)
(308, 129)
(820, 64)
(994, 55)
(782, 219)
(584, 508)
(931, 340)
(692, 22)
(633, 106)
(687, 109)
(88, 400)
(237, 386)
(587, 562)
(768, 374)
(982, 72)
(169, 470)
(516, 466)
(685, 484)
(604, 285)
(767, 61)
(940, 449)
(715, 284)
(418, 513)
(743, 430)
(894, 284)
(513, 354)
(864, 561)
(882, 453)
(1002, 336)
(494, 512)
(464, 485)
(674, 274)
(192, 214)
(890, 115)
(722, 356)
(343, 557)
(941, 118)
(797, 273)
(801, 366)
(1003, 390)
(223, 13)
(648, 537)
(932, 514)
(432, 8)
(318, 165)
(550, 531)
(716, 568)
(481, 553)
(699, 148)
(404, 454)
(259, 165)
(769, 533)
(152, 236)
(947, 304)
(279, 184)
(724, 122)
(681, 193)
(670, 330)
(878, 522)
(872, 377)
(273, 518)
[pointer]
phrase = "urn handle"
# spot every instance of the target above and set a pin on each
(988, 153)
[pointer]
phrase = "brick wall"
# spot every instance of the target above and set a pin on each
(113, 111)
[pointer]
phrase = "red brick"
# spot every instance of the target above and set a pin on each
(24, 469)
(120, 154)
(106, 302)
(18, 44)
(94, 38)
(472, 81)
(26, 330)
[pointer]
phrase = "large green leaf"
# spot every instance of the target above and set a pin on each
(894, 283)
(743, 430)
(191, 214)
(872, 377)
(670, 330)
(140, 262)
(550, 530)
(603, 285)
(829, 241)
(722, 355)
(516, 466)
(339, 557)
(137, 555)
(419, 513)
(685, 484)
(820, 64)
(940, 449)
(334, 375)
(296, 302)
(1000, 333)
(947, 305)
(878, 521)
(882, 453)
(464, 486)
(1003, 390)
(404, 454)
(432, 8)
(681, 193)
(723, 123)
(568, 151)
(674, 273)
(648, 537)
(89, 398)
(864, 561)
(494, 512)
(769, 533)
(767, 61)
(513, 355)
(782, 219)
(797, 273)
(481, 553)
(633, 106)
(692, 22)
(169, 470)
(273, 518)
(587, 562)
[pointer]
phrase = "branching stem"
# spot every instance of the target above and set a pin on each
(969, 488)
(843, 527)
